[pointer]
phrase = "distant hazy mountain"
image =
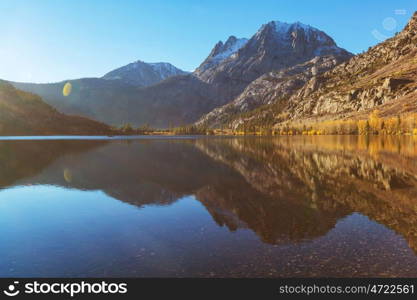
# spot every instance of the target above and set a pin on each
(155, 94)
(178, 100)
(23, 113)
(140, 73)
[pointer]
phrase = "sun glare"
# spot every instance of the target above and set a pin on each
(66, 91)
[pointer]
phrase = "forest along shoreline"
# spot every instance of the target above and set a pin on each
(373, 125)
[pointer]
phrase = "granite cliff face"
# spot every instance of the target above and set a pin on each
(270, 88)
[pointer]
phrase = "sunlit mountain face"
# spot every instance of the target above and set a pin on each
(233, 207)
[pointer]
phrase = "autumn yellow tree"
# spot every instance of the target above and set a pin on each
(374, 122)
(363, 127)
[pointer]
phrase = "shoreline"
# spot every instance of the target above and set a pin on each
(172, 136)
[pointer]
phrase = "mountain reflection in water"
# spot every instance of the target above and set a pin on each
(318, 206)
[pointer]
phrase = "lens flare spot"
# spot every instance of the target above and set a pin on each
(67, 175)
(66, 91)
(389, 24)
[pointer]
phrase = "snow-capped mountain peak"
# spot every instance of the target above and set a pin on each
(275, 46)
(141, 73)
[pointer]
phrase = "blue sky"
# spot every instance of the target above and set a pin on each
(48, 41)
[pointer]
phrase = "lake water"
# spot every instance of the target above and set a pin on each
(325, 206)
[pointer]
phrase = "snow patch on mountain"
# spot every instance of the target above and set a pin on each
(229, 49)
